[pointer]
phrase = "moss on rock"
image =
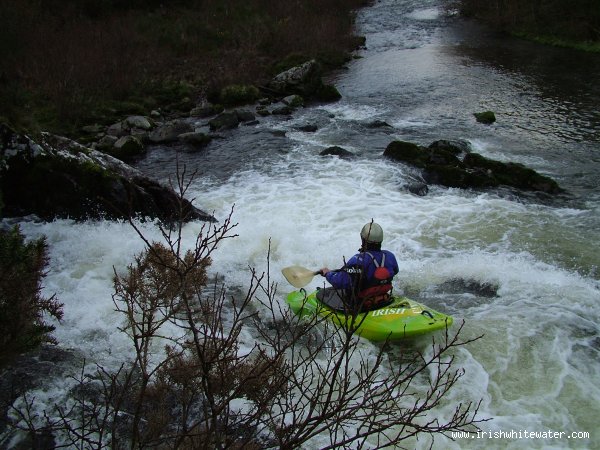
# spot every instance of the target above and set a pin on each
(238, 94)
(486, 117)
(442, 165)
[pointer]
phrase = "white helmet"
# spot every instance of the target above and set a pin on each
(372, 233)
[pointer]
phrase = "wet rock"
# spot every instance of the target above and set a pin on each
(244, 115)
(224, 121)
(195, 139)
(511, 174)
(283, 110)
(378, 124)
(308, 128)
(485, 117)
(55, 177)
(469, 286)
(448, 163)
(327, 93)
(262, 111)
(407, 152)
(295, 101)
(420, 189)
(337, 151)
(127, 148)
(456, 147)
(169, 131)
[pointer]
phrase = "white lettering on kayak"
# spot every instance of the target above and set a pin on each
(390, 311)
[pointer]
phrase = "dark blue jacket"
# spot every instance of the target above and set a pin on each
(359, 271)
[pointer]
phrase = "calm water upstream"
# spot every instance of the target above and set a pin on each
(522, 272)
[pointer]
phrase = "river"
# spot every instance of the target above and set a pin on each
(521, 271)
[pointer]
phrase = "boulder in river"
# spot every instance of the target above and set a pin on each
(55, 177)
(453, 165)
(485, 117)
(127, 148)
(170, 131)
(337, 151)
(304, 80)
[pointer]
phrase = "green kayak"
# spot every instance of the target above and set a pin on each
(399, 318)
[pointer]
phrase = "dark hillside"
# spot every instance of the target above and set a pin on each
(65, 63)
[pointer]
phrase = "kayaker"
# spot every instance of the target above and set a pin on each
(367, 277)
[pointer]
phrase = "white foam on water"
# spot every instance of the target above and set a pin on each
(538, 359)
(425, 14)
(353, 111)
(311, 209)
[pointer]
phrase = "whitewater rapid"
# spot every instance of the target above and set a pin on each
(537, 366)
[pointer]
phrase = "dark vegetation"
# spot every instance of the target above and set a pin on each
(574, 23)
(67, 63)
(22, 306)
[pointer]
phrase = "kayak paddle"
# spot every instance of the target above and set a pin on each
(299, 276)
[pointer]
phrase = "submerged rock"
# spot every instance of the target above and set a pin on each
(55, 177)
(224, 121)
(378, 124)
(196, 139)
(337, 151)
(308, 128)
(418, 188)
(486, 117)
(447, 164)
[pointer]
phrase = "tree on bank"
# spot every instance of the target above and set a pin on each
(213, 369)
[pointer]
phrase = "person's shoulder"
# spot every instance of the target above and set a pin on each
(388, 252)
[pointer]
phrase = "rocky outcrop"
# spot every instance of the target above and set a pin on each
(451, 164)
(55, 177)
(304, 80)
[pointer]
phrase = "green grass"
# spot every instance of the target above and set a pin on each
(586, 46)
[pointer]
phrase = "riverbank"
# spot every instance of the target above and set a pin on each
(576, 25)
(69, 67)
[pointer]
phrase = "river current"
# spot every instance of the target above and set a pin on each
(521, 271)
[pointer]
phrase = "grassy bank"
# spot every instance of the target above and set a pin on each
(574, 24)
(64, 64)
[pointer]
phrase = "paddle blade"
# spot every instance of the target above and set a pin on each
(298, 276)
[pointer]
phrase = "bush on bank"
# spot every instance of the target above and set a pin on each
(22, 306)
